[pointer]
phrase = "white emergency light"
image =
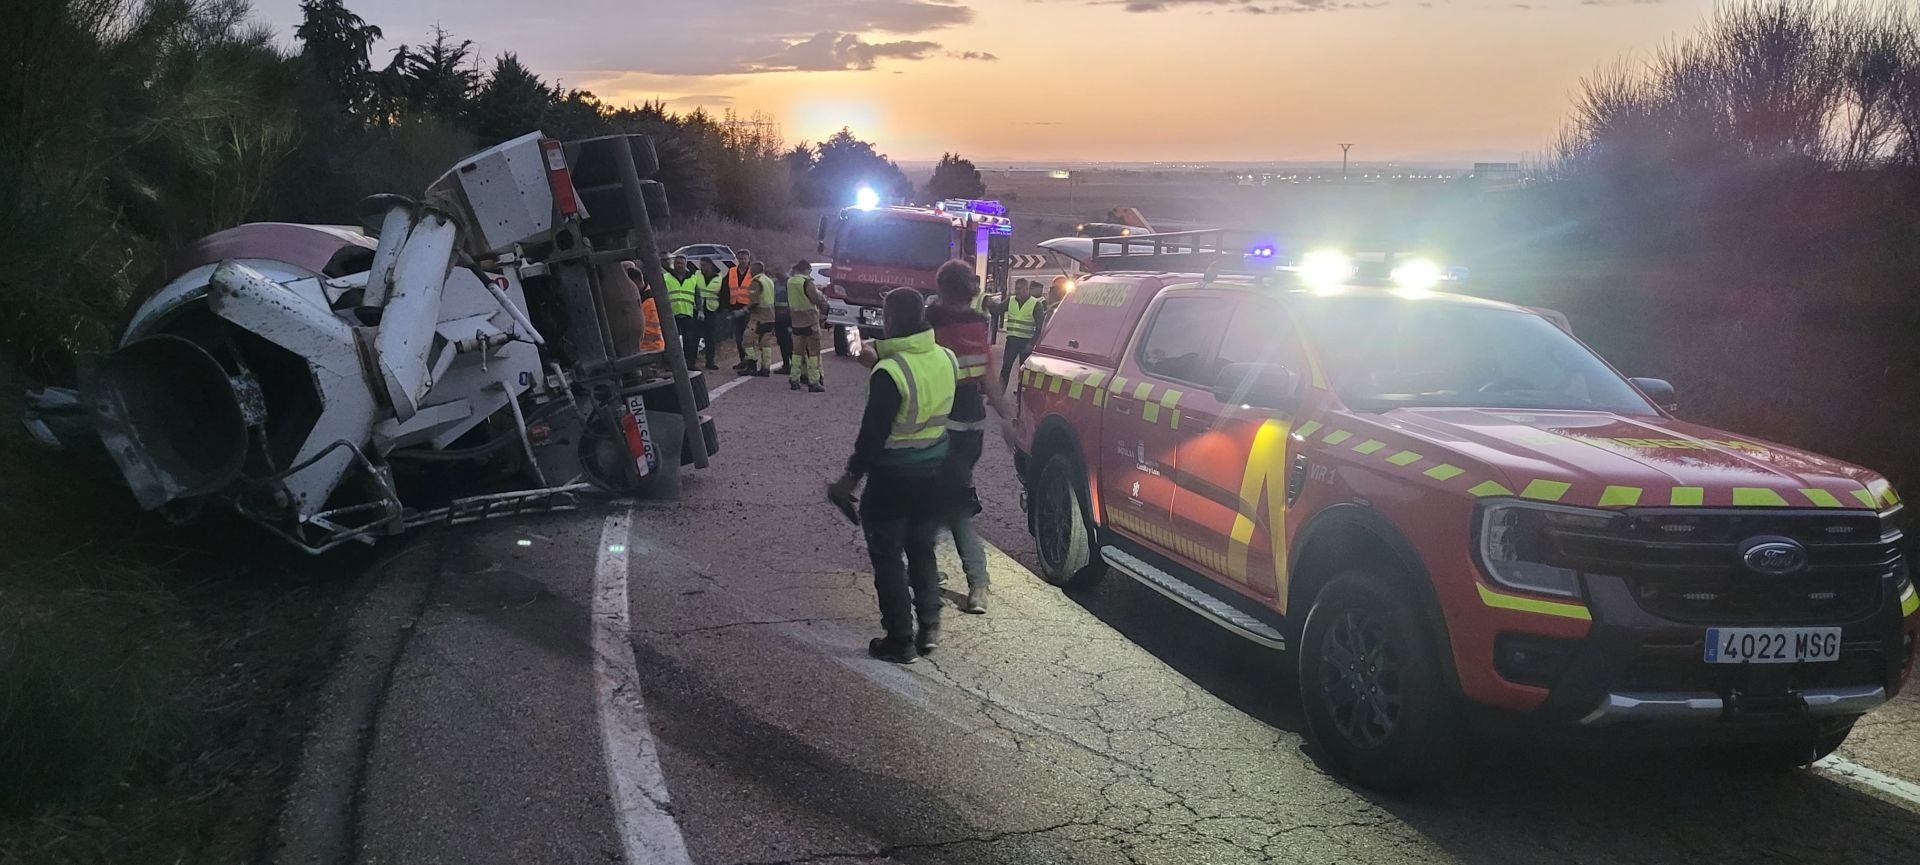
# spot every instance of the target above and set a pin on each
(1326, 270)
(1417, 278)
(866, 198)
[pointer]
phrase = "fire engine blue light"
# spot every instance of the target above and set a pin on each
(992, 208)
(866, 198)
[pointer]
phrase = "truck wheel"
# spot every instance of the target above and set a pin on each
(841, 345)
(1062, 524)
(1372, 687)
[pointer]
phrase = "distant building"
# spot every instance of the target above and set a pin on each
(1495, 174)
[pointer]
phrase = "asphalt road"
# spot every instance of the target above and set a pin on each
(1103, 726)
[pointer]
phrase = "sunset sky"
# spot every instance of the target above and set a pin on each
(1081, 80)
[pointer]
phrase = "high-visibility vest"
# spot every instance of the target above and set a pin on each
(708, 291)
(651, 339)
(797, 299)
(680, 292)
(737, 281)
(967, 339)
(925, 374)
(1022, 318)
(764, 283)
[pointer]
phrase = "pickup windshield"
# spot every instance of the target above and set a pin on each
(1381, 353)
(913, 243)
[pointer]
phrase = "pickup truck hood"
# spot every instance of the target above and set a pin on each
(1587, 458)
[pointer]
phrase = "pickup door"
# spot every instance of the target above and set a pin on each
(1230, 470)
(1139, 471)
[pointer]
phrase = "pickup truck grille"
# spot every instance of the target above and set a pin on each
(1685, 566)
(1679, 668)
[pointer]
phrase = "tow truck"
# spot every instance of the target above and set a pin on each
(1449, 509)
(877, 248)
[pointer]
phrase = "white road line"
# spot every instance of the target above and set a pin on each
(643, 812)
(1849, 772)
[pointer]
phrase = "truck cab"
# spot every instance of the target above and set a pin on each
(1445, 507)
(876, 249)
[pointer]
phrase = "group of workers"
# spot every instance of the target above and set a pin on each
(767, 317)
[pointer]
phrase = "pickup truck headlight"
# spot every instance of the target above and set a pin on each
(1517, 549)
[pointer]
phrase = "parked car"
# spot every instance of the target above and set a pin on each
(719, 253)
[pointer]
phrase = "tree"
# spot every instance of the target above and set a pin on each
(337, 43)
(843, 165)
(439, 77)
(954, 177)
(513, 101)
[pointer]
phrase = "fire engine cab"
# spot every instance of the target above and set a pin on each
(878, 248)
(1445, 507)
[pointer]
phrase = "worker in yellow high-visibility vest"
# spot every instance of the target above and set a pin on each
(900, 450)
(713, 326)
(682, 286)
(1024, 312)
(804, 303)
(760, 312)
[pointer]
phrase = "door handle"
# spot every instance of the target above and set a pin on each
(1120, 404)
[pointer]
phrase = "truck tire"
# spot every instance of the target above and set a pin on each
(1372, 686)
(841, 345)
(1063, 524)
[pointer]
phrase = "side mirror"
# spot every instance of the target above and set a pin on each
(1659, 391)
(1258, 385)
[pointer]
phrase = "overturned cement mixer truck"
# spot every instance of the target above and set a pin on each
(327, 384)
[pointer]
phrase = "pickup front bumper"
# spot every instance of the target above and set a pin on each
(870, 319)
(1634, 667)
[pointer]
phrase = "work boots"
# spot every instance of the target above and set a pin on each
(976, 602)
(928, 638)
(889, 649)
(793, 384)
(816, 387)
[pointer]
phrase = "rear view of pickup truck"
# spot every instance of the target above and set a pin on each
(1443, 506)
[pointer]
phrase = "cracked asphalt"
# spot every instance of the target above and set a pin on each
(1108, 726)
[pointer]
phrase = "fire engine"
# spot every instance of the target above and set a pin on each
(877, 248)
(1449, 509)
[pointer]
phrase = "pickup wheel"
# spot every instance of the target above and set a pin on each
(1062, 524)
(841, 345)
(1372, 687)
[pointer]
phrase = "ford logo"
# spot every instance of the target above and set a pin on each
(1774, 557)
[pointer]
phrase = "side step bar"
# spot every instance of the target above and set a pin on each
(1193, 598)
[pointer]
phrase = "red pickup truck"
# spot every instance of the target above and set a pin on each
(1444, 506)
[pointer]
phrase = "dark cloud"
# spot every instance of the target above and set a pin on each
(828, 51)
(698, 100)
(973, 55)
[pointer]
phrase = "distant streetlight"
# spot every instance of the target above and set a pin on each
(1343, 160)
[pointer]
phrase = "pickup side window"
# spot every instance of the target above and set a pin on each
(1180, 342)
(1258, 333)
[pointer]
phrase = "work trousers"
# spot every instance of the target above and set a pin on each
(739, 318)
(963, 503)
(763, 347)
(902, 525)
(690, 329)
(715, 330)
(804, 365)
(1018, 347)
(783, 332)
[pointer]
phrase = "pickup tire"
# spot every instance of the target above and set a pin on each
(1063, 524)
(841, 345)
(1372, 687)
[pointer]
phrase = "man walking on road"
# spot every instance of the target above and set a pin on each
(900, 450)
(739, 298)
(760, 315)
(804, 302)
(1023, 321)
(963, 330)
